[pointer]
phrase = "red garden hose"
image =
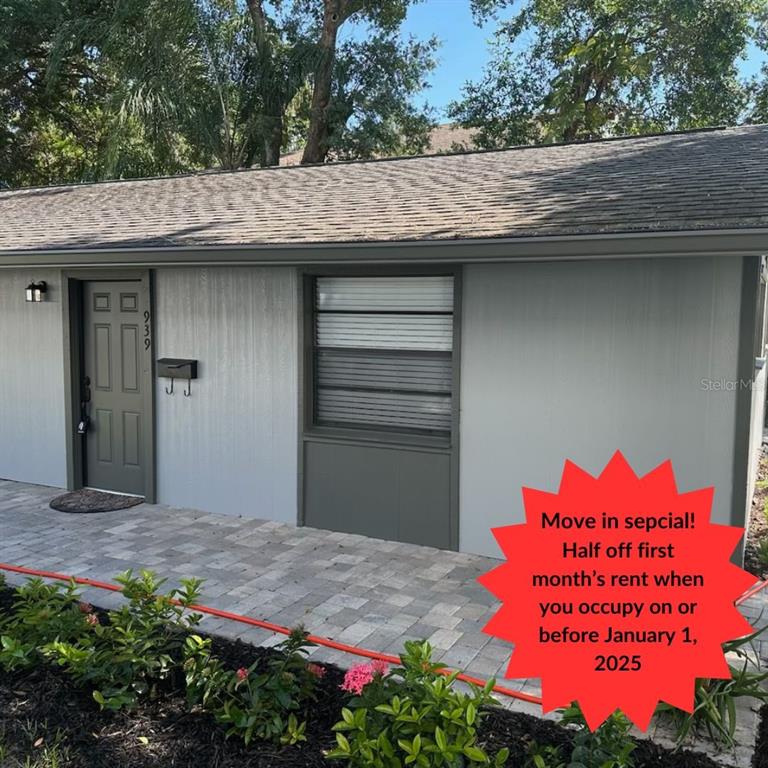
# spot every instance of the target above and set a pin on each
(752, 591)
(324, 641)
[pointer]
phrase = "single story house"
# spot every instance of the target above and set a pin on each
(393, 347)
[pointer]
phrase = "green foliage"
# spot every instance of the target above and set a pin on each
(42, 613)
(563, 70)
(610, 746)
(371, 112)
(16, 655)
(143, 649)
(94, 89)
(714, 708)
(259, 702)
(39, 112)
(205, 675)
(263, 700)
(35, 746)
(139, 648)
(762, 552)
(544, 756)
(759, 113)
(414, 716)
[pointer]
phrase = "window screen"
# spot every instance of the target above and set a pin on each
(383, 353)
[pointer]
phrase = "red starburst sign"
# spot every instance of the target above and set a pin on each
(617, 592)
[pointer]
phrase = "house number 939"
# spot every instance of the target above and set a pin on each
(147, 332)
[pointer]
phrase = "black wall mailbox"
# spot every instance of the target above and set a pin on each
(176, 368)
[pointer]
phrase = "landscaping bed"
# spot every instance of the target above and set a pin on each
(760, 759)
(50, 721)
(756, 550)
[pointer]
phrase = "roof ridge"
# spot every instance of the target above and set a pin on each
(398, 158)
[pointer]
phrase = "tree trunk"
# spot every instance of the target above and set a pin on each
(316, 148)
(257, 17)
(273, 138)
(273, 143)
(581, 89)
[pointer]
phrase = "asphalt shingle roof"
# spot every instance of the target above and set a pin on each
(702, 180)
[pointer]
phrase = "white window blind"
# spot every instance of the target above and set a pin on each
(383, 352)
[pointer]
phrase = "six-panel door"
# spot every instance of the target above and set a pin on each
(113, 315)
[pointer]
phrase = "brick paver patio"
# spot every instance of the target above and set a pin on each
(351, 588)
(347, 587)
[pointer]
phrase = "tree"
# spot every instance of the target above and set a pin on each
(371, 112)
(93, 89)
(385, 15)
(193, 75)
(223, 75)
(759, 111)
(601, 67)
(46, 130)
(759, 106)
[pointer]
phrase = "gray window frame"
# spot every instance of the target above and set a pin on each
(310, 432)
(308, 384)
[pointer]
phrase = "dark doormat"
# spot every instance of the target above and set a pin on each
(87, 500)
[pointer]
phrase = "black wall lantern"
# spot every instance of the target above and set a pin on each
(36, 291)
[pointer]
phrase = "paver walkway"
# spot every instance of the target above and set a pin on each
(347, 587)
(351, 588)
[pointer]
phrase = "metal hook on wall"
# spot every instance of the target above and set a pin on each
(177, 368)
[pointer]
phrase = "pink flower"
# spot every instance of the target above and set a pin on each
(379, 667)
(316, 670)
(85, 608)
(242, 674)
(92, 619)
(359, 676)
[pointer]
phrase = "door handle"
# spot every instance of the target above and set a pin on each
(85, 420)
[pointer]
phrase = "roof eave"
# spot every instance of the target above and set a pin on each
(701, 242)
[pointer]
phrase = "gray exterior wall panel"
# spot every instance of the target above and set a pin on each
(387, 492)
(32, 443)
(232, 446)
(756, 431)
(573, 361)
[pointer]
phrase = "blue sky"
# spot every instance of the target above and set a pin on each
(464, 49)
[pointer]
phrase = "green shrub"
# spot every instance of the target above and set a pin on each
(141, 646)
(42, 613)
(544, 756)
(609, 746)
(762, 552)
(263, 700)
(714, 708)
(147, 643)
(204, 674)
(412, 715)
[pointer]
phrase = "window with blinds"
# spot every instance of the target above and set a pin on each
(383, 353)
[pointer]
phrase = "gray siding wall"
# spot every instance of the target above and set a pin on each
(756, 431)
(575, 360)
(232, 446)
(32, 443)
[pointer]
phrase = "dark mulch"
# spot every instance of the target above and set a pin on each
(758, 524)
(760, 758)
(177, 738)
(89, 501)
(758, 531)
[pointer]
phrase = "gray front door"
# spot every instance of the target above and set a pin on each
(114, 455)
